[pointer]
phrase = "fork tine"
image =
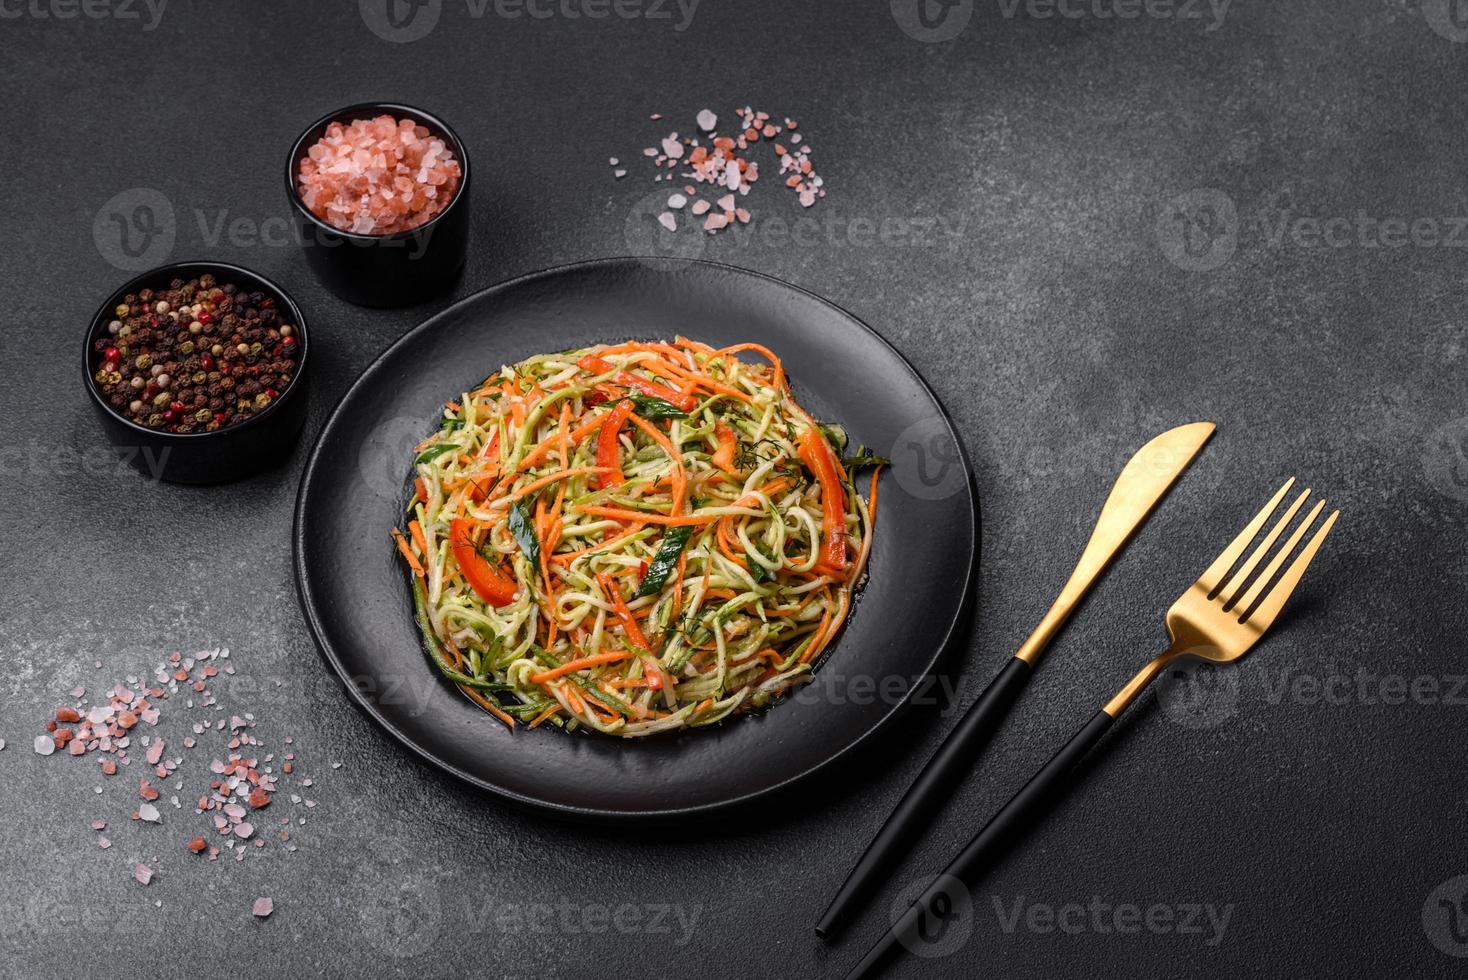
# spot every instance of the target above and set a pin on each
(1263, 617)
(1240, 578)
(1273, 567)
(1210, 579)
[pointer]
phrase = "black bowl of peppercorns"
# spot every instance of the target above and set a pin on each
(197, 370)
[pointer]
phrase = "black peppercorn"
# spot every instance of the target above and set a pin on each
(156, 357)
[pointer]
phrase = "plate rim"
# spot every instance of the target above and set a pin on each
(313, 625)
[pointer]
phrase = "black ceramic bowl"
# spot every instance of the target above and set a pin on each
(385, 270)
(226, 454)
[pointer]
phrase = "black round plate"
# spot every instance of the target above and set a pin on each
(355, 488)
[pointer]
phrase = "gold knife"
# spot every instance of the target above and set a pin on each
(1143, 482)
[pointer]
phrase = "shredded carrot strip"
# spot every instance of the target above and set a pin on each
(645, 517)
(780, 381)
(545, 481)
(727, 545)
(566, 557)
(624, 614)
(544, 715)
(680, 475)
(416, 530)
(407, 553)
(489, 706)
(571, 666)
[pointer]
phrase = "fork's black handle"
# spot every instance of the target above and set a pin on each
(948, 766)
(927, 916)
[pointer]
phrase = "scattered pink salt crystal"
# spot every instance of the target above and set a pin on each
(262, 908)
(148, 812)
(142, 874)
(700, 207)
(667, 220)
(726, 161)
(714, 222)
(103, 843)
(45, 745)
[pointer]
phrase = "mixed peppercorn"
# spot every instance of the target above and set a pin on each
(195, 357)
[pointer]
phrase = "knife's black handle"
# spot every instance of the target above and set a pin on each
(948, 766)
(936, 902)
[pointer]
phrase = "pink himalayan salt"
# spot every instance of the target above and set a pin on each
(378, 176)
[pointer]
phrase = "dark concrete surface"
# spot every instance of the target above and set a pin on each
(1080, 229)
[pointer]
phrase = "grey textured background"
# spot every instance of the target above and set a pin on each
(1055, 308)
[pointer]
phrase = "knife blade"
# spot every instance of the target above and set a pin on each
(1143, 482)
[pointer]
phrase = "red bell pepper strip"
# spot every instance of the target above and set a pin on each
(816, 456)
(723, 458)
(654, 390)
(630, 627)
(627, 379)
(492, 585)
(606, 446)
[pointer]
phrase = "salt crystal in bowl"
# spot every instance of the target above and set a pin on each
(380, 192)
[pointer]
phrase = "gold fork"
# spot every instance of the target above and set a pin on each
(1218, 618)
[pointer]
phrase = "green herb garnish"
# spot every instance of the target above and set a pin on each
(664, 561)
(433, 452)
(656, 408)
(522, 527)
(862, 457)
